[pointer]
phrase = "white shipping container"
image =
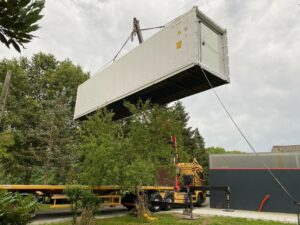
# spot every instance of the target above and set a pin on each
(164, 68)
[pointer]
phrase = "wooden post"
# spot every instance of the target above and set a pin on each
(4, 93)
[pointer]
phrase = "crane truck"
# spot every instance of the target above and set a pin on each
(187, 174)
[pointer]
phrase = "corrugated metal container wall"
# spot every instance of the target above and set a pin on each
(189, 40)
(250, 160)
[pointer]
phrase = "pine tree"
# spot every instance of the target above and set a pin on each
(193, 142)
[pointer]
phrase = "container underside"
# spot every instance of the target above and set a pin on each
(183, 84)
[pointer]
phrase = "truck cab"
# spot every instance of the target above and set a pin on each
(189, 175)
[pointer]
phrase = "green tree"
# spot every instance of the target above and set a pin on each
(140, 145)
(193, 142)
(100, 147)
(39, 114)
(56, 134)
(132, 151)
(74, 196)
(90, 204)
(234, 152)
(18, 19)
(82, 199)
(149, 133)
(215, 150)
(6, 140)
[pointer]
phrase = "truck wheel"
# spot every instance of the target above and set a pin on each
(155, 198)
(199, 200)
(128, 201)
(168, 200)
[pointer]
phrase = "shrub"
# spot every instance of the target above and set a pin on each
(82, 199)
(16, 209)
(89, 203)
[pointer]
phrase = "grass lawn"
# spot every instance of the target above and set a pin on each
(167, 219)
(46, 208)
(43, 208)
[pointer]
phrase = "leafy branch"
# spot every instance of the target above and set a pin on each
(18, 20)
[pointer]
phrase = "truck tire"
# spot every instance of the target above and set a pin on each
(169, 199)
(199, 200)
(155, 197)
(128, 201)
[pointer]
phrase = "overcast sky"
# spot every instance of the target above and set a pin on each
(264, 57)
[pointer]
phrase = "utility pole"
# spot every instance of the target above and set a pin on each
(137, 30)
(4, 93)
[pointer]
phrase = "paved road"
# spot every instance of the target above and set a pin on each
(205, 211)
(268, 216)
(65, 214)
(62, 215)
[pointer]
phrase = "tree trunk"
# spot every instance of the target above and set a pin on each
(87, 216)
(4, 93)
(27, 177)
(48, 155)
(75, 213)
(141, 206)
(140, 203)
(46, 173)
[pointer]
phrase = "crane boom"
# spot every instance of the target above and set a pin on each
(137, 30)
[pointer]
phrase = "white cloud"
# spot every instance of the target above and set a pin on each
(264, 50)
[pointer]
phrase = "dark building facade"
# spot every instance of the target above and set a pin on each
(250, 182)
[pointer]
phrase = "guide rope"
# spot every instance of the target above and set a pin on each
(250, 145)
(297, 203)
(293, 199)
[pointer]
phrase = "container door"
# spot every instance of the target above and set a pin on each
(211, 54)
